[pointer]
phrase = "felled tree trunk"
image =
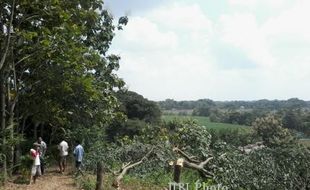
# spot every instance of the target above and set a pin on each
(99, 183)
(177, 171)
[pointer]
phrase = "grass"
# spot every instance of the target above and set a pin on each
(88, 182)
(205, 121)
(157, 181)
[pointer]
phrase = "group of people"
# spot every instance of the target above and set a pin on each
(38, 156)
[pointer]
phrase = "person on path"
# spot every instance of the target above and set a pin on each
(36, 169)
(43, 148)
(63, 148)
(78, 155)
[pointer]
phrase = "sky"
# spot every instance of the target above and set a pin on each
(216, 49)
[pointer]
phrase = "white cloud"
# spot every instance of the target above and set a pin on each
(167, 53)
(253, 3)
(242, 31)
(293, 22)
(182, 17)
(141, 33)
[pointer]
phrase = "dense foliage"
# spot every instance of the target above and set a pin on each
(56, 74)
(270, 168)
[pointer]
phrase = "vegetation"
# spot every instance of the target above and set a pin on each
(205, 121)
(293, 112)
(55, 72)
(58, 81)
(292, 103)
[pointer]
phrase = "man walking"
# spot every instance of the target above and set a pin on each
(63, 153)
(78, 155)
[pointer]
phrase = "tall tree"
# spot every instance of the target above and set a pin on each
(55, 70)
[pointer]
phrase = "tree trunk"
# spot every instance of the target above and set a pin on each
(18, 150)
(41, 130)
(177, 173)
(52, 135)
(11, 104)
(2, 123)
(35, 131)
(99, 183)
(11, 147)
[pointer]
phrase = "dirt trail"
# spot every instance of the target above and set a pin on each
(52, 180)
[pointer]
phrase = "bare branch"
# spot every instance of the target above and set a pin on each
(202, 164)
(24, 58)
(186, 156)
(199, 168)
(195, 164)
(125, 168)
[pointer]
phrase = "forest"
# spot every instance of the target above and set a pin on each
(59, 82)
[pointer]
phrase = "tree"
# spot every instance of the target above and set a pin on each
(292, 121)
(55, 71)
(204, 107)
(135, 106)
(270, 129)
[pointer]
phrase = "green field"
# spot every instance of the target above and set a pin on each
(205, 121)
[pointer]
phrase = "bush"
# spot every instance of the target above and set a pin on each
(87, 182)
(25, 170)
(235, 137)
(270, 129)
(269, 168)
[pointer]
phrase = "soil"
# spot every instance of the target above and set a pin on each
(51, 180)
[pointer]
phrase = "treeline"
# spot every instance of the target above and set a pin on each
(294, 112)
(293, 103)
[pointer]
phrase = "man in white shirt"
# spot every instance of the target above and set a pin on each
(35, 170)
(43, 148)
(63, 153)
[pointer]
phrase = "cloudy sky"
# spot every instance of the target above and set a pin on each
(217, 49)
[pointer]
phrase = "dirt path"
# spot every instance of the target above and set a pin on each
(52, 180)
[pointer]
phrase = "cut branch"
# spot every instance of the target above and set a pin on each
(189, 162)
(186, 156)
(202, 164)
(198, 167)
(125, 168)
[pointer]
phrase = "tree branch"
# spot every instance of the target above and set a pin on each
(202, 164)
(186, 156)
(189, 162)
(199, 168)
(125, 168)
